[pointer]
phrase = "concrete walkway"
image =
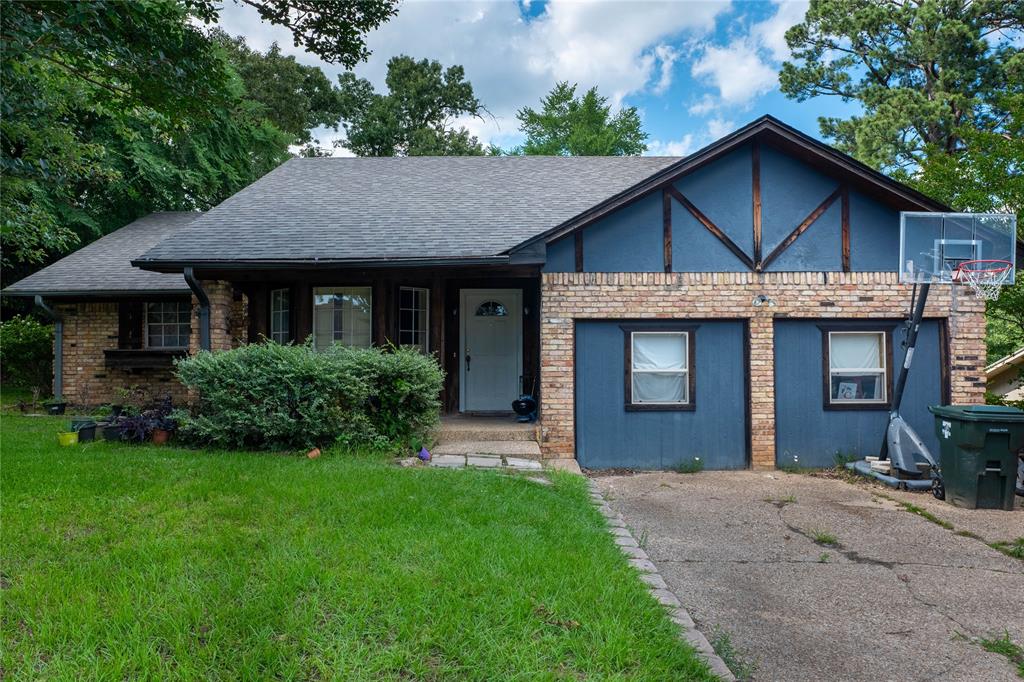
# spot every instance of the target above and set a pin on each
(897, 597)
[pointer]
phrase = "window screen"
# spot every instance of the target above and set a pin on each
(659, 368)
(856, 366)
(342, 315)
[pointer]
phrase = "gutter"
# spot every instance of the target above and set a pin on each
(155, 265)
(204, 308)
(58, 345)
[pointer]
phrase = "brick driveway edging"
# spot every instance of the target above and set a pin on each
(639, 560)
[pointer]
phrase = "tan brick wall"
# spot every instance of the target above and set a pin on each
(566, 297)
(224, 325)
(90, 329)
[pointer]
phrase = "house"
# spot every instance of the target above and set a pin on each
(1005, 376)
(740, 305)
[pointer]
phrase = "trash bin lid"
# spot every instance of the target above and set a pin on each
(979, 413)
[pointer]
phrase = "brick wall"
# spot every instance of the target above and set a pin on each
(566, 297)
(90, 329)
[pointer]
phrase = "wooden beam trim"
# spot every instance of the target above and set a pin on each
(846, 227)
(666, 227)
(755, 159)
(578, 239)
(711, 227)
(802, 227)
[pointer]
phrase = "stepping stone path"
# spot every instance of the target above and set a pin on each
(485, 462)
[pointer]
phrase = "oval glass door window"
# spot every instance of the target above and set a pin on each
(491, 309)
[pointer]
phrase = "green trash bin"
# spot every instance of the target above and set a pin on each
(978, 447)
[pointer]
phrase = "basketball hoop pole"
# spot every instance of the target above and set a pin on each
(901, 382)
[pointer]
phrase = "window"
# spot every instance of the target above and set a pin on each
(659, 369)
(168, 324)
(414, 317)
(858, 367)
(491, 309)
(280, 315)
(342, 315)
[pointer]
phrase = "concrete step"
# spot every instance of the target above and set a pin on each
(509, 448)
(479, 430)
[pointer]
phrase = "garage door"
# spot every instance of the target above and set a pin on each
(833, 381)
(652, 395)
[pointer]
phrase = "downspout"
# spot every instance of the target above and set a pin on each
(58, 345)
(204, 308)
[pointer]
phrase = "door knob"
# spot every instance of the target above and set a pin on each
(467, 362)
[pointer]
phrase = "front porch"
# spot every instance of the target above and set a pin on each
(481, 322)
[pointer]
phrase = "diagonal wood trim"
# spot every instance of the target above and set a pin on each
(666, 228)
(802, 227)
(846, 227)
(755, 161)
(579, 250)
(711, 227)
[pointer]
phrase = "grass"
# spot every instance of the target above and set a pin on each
(721, 642)
(1005, 646)
(690, 466)
(823, 537)
(925, 514)
(1013, 548)
(145, 562)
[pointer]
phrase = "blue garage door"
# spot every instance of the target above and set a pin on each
(811, 434)
(711, 425)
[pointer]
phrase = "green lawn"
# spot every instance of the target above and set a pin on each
(133, 562)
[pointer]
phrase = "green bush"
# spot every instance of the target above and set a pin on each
(26, 353)
(272, 396)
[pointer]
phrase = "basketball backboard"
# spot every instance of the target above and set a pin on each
(932, 245)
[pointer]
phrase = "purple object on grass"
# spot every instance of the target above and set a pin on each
(424, 455)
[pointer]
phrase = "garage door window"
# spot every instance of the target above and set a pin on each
(659, 370)
(858, 368)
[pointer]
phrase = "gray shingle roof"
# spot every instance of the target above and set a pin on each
(361, 209)
(105, 265)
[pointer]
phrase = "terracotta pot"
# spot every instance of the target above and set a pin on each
(161, 436)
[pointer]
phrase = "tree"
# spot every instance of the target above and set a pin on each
(294, 97)
(417, 115)
(111, 110)
(923, 71)
(568, 125)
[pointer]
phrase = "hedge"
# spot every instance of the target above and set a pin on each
(26, 353)
(273, 396)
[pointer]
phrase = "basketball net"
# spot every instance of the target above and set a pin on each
(985, 277)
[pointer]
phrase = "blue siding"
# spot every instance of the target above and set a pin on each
(723, 191)
(809, 435)
(790, 190)
(629, 240)
(609, 436)
(561, 256)
(874, 235)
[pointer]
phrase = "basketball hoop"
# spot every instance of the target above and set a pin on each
(985, 277)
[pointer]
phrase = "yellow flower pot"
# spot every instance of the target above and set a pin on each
(68, 438)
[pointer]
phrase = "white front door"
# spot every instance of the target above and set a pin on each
(490, 355)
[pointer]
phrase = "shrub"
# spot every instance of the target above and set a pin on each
(273, 396)
(26, 353)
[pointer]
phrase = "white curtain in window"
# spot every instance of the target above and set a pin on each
(658, 388)
(659, 351)
(342, 315)
(855, 351)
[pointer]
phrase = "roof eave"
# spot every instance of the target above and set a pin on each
(174, 266)
(95, 293)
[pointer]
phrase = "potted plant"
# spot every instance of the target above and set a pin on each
(112, 430)
(162, 423)
(56, 405)
(136, 428)
(67, 437)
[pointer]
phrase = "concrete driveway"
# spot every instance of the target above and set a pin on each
(899, 597)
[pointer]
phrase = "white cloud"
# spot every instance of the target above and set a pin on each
(771, 33)
(736, 70)
(623, 48)
(704, 106)
(718, 127)
(680, 147)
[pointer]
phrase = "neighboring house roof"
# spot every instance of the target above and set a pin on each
(356, 210)
(1015, 359)
(104, 266)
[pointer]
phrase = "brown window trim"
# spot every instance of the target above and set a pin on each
(885, 328)
(691, 371)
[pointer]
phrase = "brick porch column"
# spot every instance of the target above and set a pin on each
(557, 342)
(762, 389)
(221, 296)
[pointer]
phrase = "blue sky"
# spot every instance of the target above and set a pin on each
(695, 69)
